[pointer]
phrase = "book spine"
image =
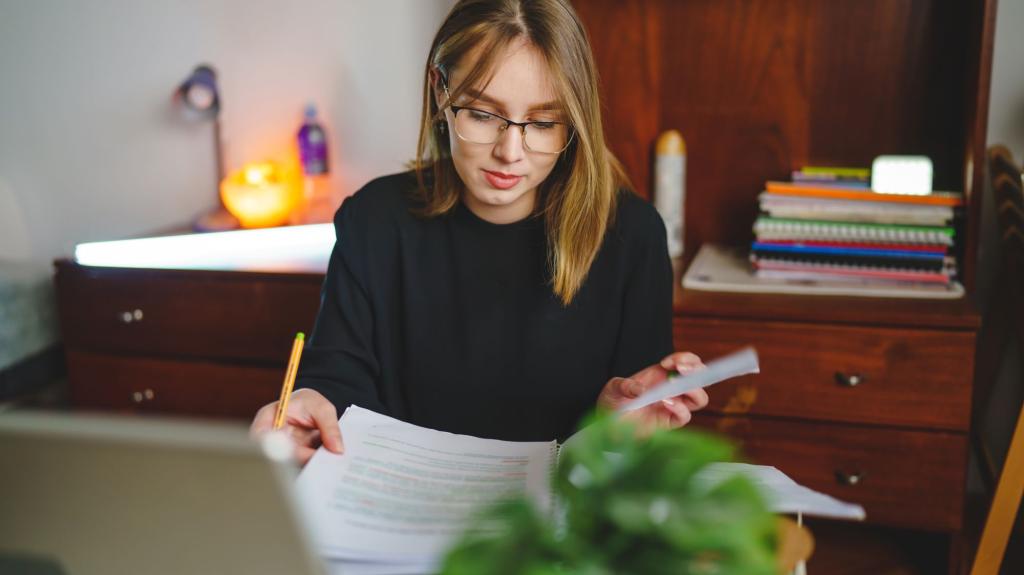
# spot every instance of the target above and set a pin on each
(823, 229)
(874, 262)
(850, 271)
(834, 172)
(848, 251)
(840, 183)
(792, 207)
(927, 248)
(848, 193)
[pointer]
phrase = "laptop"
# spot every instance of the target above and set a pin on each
(92, 495)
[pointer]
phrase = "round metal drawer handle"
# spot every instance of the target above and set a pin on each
(130, 316)
(851, 380)
(850, 479)
(144, 395)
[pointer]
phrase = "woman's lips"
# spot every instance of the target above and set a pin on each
(500, 180)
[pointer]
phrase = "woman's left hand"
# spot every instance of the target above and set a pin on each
(666, 414)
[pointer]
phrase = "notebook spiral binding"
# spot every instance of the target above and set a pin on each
(766, 228)
(948, 267)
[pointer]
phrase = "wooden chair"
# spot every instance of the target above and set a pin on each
(796, 544)
(1003, 320)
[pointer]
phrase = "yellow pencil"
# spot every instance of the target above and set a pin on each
(289, 381)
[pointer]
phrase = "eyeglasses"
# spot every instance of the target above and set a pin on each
(480, 127)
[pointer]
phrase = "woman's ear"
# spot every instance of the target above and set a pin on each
(437, 86)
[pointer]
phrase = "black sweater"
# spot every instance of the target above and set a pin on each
(451, 323)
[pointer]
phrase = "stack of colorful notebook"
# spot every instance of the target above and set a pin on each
(827, 225)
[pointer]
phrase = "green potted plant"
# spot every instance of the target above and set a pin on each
(627, 505)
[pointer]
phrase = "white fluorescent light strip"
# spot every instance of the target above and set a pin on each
(284, 249)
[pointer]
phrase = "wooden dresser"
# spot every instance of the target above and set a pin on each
(196, 343)
(867, 400)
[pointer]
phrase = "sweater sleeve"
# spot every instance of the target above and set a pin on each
(339, 360)
(646, 331)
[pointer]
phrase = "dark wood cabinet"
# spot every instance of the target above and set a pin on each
(869, 406)
(902, 477)
(195, 343)
(179, 386)
(867, 399)
(760, 87)
(854, 374)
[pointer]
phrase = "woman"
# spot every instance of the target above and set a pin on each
(508, 283)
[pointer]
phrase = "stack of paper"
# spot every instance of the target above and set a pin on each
(783, 494)
(401, 495)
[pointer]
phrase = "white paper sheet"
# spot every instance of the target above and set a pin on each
(403, 493)
(784, 494)
(349, 567)
(735, 364)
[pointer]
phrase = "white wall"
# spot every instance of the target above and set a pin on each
(1005, 126)
(1006, 106)
(91, 146)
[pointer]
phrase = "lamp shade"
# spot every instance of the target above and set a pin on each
(261, 194)
(199, 91)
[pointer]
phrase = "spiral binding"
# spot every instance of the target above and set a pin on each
(767, 228)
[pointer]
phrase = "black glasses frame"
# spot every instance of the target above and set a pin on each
(521, 125)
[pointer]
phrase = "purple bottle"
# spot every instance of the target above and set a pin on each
(312, 144)
(319, 206)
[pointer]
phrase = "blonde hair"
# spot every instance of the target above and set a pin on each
(579, 198)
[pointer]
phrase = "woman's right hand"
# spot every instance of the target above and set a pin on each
(311, 421)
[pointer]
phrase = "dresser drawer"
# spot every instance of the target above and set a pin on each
(902, 478)
(142, 385)
(185, 314)
(912, 378)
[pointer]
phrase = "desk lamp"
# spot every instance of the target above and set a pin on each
(199, 95)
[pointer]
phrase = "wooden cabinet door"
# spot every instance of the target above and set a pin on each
(194, 388)
(902, 478)
(200, 315)
(901, 377)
